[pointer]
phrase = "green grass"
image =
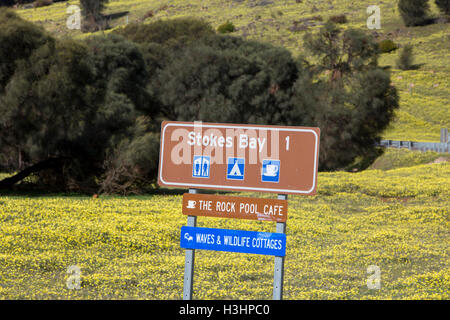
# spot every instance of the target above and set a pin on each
(128, 247)
(423, 111)
(400, 158)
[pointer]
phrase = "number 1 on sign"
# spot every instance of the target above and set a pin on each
(287, 143)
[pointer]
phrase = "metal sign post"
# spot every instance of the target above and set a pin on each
(278, 275)
(189, 260)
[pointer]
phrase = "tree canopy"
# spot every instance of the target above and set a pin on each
(86, 114)
(414, 12)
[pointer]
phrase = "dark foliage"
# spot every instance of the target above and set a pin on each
(353, 104)
(340, 18)
(406, 58)
(85, 115)
(91, 11)
(42, 3)
(414, 12)
(227, 79)
(37, 3)
(7, 3)
(73, 105)
(227, 27)
(168, 33)
(444, 6)
(387, 45)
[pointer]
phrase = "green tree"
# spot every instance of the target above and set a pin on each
(444, 6)
(46, 107)
(71, 112)
(227, 79)
(340, 53)
(414, 12)
(346, 94)
(18, 38)
(91, 11)
(125, 122)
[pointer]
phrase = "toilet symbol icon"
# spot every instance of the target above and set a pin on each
(201, 167)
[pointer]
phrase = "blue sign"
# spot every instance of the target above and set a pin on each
(235, 168)
(270, 171)
(273, 244)
(201, 166)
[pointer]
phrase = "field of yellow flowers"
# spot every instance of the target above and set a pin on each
(128, 247)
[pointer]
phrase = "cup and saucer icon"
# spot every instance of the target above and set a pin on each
(191, 204)
(270, 171)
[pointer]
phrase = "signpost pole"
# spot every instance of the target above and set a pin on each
(189, 260)
(279, 262)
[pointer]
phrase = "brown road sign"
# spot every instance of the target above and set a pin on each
(235, 207)
(259, 158)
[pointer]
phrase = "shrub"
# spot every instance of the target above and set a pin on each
(168, 32)
(148, 14)
(443, 5)
(227, 27)
(414, 12)
(6, 3)
(406, 58)
(387, 46)
(340, 18)
(92, 17)
(42, 3)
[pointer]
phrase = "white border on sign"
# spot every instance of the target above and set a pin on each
(193, 185)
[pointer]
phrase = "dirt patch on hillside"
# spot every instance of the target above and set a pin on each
(440, 160)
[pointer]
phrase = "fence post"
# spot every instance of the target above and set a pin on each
(444, 135)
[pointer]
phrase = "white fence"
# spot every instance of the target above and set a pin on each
(443, 146)
(412, 145)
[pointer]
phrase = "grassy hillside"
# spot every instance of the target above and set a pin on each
(425, 107)
(129, 247)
